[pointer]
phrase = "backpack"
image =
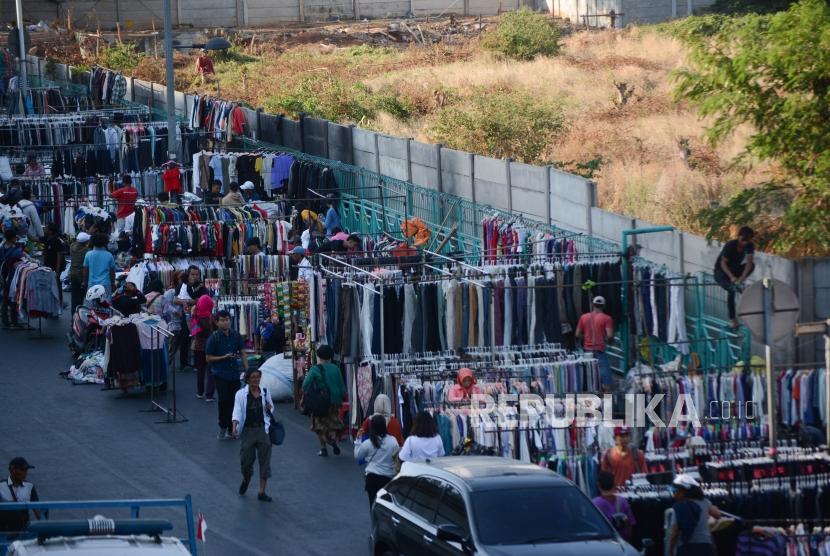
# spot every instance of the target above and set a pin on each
(316, 396)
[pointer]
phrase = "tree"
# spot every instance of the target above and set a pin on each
(773, 73)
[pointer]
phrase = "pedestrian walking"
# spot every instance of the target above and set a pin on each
(326, 374)
(17, 489)
(597, 329)
(77, 251)
(378, 451)
(203, 327)
(690, 534)
(623, 460)
(223, 352)
(735, 263)
(614, 506)
(252, 409)
(99, 266)
(424, 442)
(383, 407)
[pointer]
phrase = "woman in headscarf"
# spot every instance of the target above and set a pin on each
(383, 407)
(202, 326)
(466, 386)
(154, 294)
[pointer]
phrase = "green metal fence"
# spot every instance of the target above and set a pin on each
(374, 204)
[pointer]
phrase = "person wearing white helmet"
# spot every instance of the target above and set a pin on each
(77, 252)
(690, 534)
(596, 330)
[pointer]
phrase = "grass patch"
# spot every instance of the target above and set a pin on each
(501, 123)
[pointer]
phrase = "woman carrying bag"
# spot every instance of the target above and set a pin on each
(379, 451)
(251, 422)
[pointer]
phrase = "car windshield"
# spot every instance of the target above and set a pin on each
(537, 516)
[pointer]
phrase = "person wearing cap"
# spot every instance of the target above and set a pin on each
(249, 192)
(172, 179)
(254, 247)
(77, 252)
(596, 329)
(332, 221)
(623, 459)
(16, 489)
(234, 198)
(690, 533)
(29, 210)
(300, 266)
(125, 196)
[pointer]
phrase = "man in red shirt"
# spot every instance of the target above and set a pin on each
(126, 196)
(204, 66)
(596, 329)
(624, 459)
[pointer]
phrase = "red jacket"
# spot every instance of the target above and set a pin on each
(172, 180)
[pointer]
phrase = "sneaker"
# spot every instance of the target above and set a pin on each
(208, 400)
(323, 453)
(243, 488)
(262, 497)
(223, 434)
(200, 396)
(335, 448)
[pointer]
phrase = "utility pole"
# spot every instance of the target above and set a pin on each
(172, 131)
(23, 81)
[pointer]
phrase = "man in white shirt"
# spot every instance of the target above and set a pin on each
(17, 489)
(302, 264)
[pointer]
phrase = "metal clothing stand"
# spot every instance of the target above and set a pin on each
(171, 411)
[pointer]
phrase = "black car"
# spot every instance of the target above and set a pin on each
(488, 506)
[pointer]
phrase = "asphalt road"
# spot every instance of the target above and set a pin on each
(92, 444)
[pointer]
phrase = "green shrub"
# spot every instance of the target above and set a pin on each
(523, 35)
(323, 97)
(387, 100)
(499, 123)
(120, 57)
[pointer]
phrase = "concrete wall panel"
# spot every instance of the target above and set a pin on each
(491, 182)
(314, 130)
(456, 173)
(340, 142)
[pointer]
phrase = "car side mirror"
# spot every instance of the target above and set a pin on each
(648, 543)
(451, 533)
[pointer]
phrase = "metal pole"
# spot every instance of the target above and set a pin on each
(23, 82)
(768, 314)
(172, 135)
(827, 383)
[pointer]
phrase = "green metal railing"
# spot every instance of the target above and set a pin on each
(374, 204)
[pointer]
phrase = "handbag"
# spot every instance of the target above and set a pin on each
(276, 430)
(316, 397)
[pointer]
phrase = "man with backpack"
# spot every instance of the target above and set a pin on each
(323, 392)
(624, 459)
